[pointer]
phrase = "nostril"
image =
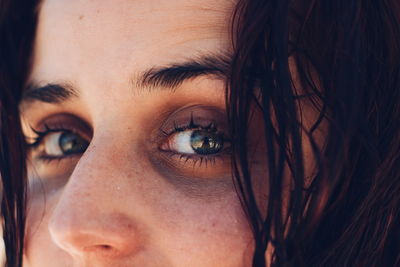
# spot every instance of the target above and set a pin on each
(102, 251)
(106, 247)
(102, 248)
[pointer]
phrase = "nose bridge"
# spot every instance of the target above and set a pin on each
(88, 216)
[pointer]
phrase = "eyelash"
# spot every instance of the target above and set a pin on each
(196, 159)
(191, 125)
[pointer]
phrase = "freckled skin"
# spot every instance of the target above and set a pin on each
(111, 206)
(125, 202)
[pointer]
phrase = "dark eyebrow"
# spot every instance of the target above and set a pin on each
(157, 77)
(172, 76)
(49, 93)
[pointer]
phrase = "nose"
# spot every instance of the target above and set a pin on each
(107, 235)
(89, 217)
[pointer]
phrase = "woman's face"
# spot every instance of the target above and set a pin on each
(130, 160)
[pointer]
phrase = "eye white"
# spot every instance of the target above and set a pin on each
(52, 144)
(181, 142)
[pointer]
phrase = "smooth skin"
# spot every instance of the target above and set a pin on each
(130, 199)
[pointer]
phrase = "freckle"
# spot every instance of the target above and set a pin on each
(81, 17)
(129, 226)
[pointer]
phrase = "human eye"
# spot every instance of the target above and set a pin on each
(59, 143)
(197, 144)
(195, 141)
(57, 140)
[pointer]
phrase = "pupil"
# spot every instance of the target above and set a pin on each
(206, 143)
(72, 144)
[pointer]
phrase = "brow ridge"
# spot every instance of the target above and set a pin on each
(164, 77)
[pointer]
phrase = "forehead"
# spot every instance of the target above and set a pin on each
(106, 37)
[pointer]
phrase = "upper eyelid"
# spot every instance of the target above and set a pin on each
(54, 129)
(192, 126)
(208, 118)
(49, 129)
(63, 122)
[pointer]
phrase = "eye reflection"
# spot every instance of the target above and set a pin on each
(71, 143)
(197, 141)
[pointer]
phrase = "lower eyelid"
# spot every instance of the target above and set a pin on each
(171, 164)
(194, 182)
(194, 160)
(47, 159)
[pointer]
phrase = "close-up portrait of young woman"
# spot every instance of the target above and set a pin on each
(200, 133)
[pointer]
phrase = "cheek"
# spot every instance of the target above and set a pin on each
(38, 242)
(41, 251)
(213, 233)
(194, 228)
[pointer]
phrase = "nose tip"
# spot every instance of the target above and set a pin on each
(105, 236)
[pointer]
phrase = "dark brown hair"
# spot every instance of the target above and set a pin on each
(347, 56)
(17, 26)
